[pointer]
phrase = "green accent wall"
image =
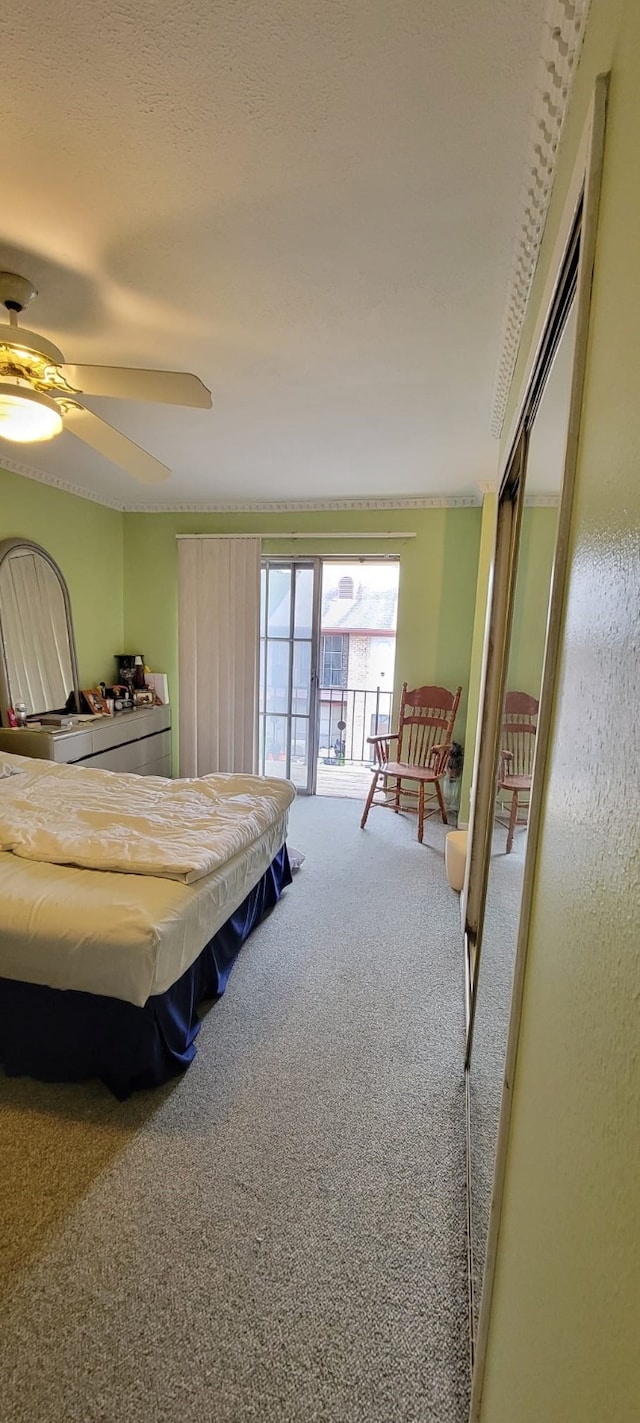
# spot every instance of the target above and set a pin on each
(86, 541)
(564, 1323)
(438, 570)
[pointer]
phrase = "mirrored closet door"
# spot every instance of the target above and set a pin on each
(519, 678)
(514, 784)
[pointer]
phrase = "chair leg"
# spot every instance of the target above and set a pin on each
(421, 811)
(396, 803)
(443, 809)
(513, 816)
(369, 800)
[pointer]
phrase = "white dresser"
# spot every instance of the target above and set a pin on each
(137, 741)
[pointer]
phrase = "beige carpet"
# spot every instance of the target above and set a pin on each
(278, 1237)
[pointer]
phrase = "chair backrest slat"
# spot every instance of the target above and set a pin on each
(427, 717)
(519, 728)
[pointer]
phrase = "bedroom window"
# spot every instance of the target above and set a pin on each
(334, 660)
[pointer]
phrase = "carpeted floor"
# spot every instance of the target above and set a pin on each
(279, 1237)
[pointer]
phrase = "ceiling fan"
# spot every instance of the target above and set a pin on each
(41, 395)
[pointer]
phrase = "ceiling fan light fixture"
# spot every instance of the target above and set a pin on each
(37, 387)
(27, 415)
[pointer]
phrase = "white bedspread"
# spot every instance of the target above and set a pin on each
(142, 825)
(121, 935)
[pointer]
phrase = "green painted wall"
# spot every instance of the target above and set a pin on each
(86, 541)
(565, 1319)
(437, 580)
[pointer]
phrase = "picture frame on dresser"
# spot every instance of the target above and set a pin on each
(96, 702)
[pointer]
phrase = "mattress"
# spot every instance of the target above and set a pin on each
(121, 935)
(145, 825)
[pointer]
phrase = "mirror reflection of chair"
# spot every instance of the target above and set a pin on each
(418, 752)
(519, 727)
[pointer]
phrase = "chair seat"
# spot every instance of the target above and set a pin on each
(402, 768)
(515, 783)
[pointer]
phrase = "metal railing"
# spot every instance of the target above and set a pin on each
(348, 715)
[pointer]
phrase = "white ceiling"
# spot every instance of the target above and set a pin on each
(310, 204)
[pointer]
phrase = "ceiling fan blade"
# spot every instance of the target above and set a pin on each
(162, 387)
(114, 446)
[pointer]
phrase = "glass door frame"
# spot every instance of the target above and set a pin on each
(314, 564)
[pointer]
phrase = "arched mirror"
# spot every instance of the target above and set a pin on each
(38, 663)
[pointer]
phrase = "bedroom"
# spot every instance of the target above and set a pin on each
(97, 1228)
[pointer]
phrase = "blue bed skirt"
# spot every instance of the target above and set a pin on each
(59, 1035)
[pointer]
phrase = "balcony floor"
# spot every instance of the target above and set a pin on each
(351, 781)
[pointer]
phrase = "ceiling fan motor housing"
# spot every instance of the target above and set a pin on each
(16, 292)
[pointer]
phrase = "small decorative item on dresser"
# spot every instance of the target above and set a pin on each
(122, 699)
(96, 702)
(159, 684)
(144, 698)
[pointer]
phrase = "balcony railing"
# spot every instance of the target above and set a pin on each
(363, 712)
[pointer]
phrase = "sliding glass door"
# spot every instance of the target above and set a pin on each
(289, 640)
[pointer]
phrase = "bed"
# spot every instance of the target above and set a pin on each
(124, 903)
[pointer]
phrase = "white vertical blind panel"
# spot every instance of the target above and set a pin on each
(218, 642)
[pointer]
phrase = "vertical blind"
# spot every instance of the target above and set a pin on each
(218, 648)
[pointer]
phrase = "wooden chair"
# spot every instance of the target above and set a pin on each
(420, 747)
(519, 729)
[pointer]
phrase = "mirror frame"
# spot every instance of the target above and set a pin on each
(572, 274)
(7, 547)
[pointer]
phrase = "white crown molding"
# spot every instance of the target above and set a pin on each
(28, 472)
(542, 501)
(296, 506)
(562, 34)
(533, 501)
(282, 506)
(438, 501)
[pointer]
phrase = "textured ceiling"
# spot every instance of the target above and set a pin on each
(310, 205)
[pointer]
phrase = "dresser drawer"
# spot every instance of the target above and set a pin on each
(47, 746)
(129, 726)
(73, 747)
(135, 756)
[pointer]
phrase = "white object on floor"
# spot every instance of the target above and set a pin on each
(455, 858)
